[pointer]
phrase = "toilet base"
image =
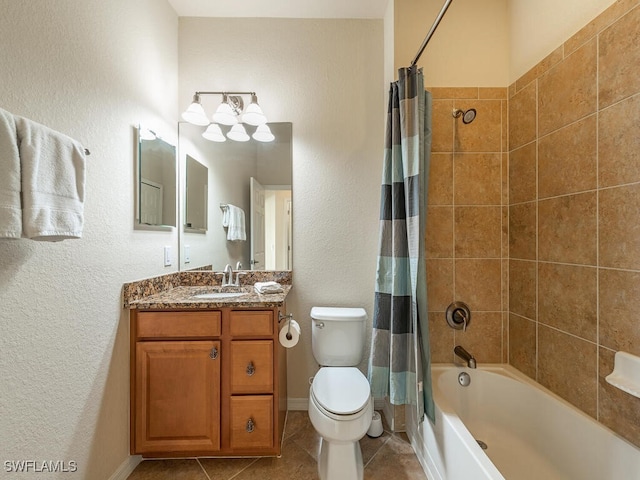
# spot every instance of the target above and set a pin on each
(340, 461)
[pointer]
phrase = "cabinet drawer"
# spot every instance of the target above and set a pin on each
(251, 323)
(252, 422)
(178, 324)
(252, 366)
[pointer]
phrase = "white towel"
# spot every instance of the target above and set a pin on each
(268, 287)
(53, 182)
(10, 203)
(233, 219)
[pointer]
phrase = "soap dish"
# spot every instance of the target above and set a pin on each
(626, 373)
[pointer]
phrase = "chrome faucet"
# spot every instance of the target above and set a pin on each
(227, 276)
(466, 356)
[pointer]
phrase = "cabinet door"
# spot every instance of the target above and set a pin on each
(251, 366)
(177, 396)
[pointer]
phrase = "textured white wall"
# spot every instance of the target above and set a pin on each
(91, 70)
(325, 76)
(537, 28)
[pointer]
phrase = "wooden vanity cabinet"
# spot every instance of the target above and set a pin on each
(207, 382)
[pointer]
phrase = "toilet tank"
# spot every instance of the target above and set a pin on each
(338, 335)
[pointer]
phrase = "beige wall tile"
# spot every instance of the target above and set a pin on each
(441, 338)
(551, 60)
(478, 232)
(619, 143)
(567, 298)
(576, 385)
(522, 174)
(522, 345)
(619, 297)
(477, 283)
(492, 93)
(505, 337)
(619, 57)
(567, 229)
(441, 179)
(619, 228)
(618, 410)
(522, 231)
(505, 284)
(522, 288)
(522, 116)
(477, 178)
(484, 134)
(454, 93)
(505, 179)
(505, 125)
(568, 91)
(439, 236)
(567, 161)
(442, 126)
(483, 337)
(439, 284)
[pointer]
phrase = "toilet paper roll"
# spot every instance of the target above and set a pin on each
(292, 328)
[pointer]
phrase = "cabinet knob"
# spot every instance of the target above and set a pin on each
(250, 369)
(213, 354)
(250, 425)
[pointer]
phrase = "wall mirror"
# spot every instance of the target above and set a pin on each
(196, 193)
(253, 176)
(156, 182)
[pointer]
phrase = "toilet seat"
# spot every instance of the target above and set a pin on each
(341, 391)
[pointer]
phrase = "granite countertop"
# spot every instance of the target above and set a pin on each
(183, 297)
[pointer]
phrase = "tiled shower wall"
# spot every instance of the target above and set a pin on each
(574, 216)
(466, 221)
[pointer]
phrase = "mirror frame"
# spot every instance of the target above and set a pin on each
(137, 225)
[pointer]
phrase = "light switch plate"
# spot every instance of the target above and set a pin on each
(167, 256)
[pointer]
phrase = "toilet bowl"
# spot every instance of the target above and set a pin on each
(340, 410)
(340, 401)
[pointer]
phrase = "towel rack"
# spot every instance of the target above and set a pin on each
(224, 206)
(87, 152)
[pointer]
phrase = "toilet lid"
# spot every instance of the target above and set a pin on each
(341, 390)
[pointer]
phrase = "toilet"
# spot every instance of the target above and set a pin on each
(340, 401)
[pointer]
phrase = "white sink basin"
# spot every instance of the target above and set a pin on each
(214, 295)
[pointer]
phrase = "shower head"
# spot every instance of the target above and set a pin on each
(468, 116)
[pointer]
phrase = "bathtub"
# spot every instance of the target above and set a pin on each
(530, 433)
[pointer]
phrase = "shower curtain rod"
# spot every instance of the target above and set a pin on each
(431, 31)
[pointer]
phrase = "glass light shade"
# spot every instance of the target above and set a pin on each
(214, 133)
(253, 114)
(263, 134)
(225, 115)
(195, 115)
(238, 133)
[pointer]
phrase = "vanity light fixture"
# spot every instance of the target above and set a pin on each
(263, 133)
(238, 133)
(230, 113)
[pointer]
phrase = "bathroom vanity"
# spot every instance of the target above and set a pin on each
(208, 376)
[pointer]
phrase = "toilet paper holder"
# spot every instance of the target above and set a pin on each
(288, 317)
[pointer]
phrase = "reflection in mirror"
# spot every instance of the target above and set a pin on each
(155, 183)
(196, 194)
(231, 168)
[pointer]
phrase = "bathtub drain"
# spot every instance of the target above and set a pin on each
(482, 444)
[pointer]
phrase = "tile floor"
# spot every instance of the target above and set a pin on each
(388, 456)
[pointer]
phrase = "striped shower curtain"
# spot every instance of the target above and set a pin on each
(399, 366)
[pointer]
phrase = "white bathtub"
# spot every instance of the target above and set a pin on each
(531, 434)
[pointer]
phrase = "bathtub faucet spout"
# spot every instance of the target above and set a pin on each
(466, 356)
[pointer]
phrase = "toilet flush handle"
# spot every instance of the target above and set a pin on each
(320, 324)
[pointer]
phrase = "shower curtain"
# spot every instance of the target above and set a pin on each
(399, 365)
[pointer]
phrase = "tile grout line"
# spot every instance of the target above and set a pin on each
(203, 469)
